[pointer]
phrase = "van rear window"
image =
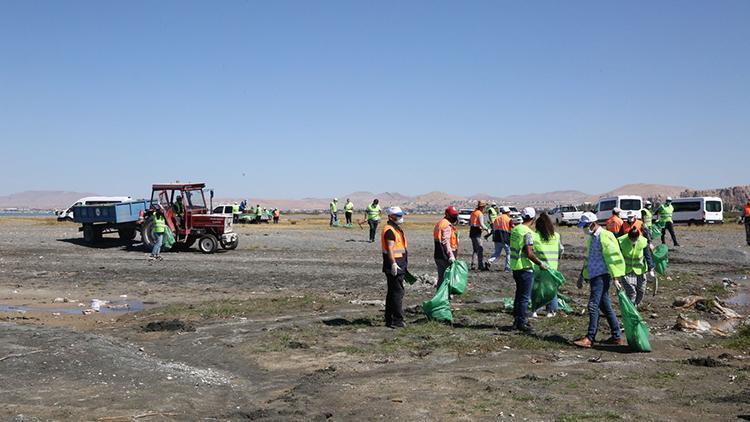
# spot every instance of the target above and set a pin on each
(630, 204)
(607, 205)
(713, 206)
(686, 206)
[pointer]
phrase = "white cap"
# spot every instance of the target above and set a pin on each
(586, 219)
(528, 213)
(394, 211)
(616, 210)
(504, 209)
(648, 202)
(669, 199)
(335, 199)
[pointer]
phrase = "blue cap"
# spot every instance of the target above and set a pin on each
(586, 219)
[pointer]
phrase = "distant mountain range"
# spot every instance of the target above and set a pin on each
(432, 201)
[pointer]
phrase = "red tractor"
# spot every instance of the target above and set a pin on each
(188, 217)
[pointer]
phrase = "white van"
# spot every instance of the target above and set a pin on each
(698, 210)
(629, 204)
(90, 200)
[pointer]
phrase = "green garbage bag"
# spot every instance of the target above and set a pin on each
(563, 306)
(636, 329)
(409, 278)
(168, 240)
(544, 289)
(656, 229)
(439, 307)
(661, 259)
(457, 275)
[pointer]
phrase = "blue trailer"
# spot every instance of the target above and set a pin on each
(123, 218)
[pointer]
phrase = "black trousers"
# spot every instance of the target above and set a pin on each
(747, 230)
(373, 227)
(348, 217)
(394, 298)
(669, 226)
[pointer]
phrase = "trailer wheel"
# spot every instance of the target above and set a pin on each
(127, 234)
(208, 243)
(231, 245)
(89, 233)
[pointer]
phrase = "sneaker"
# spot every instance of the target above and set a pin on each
(534, 315)
(551, 314)
(525, 328)
(615, 341)
(583, 342)
(395, 325)
(507, 269)
(472, 267)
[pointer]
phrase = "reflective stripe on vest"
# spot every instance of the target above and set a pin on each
(437, 233)
(626, 226)
(399, 246)
(633, 254)
(648, 218)
(547, 251)
(502, 222)
(665, 213)
(518, 258)
(474, 218)
(746, 210)
(348, 207)
(160, 225)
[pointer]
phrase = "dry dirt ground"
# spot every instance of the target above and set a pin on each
(283, 329)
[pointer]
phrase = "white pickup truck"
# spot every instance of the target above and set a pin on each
(565, 215)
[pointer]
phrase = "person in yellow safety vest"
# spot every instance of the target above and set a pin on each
(372, 215)
(348, 212)
(160, 226)
(638, 261)
(603, 264)
(664, 212)
(476, 229)
(548, 248)
(492, 212)
(395, 261)
(522, 260)
(501, 227)
(445, 236)
(333, 207)
(647, 216)
(276, 215)
(614, 223)
(746, 219)
(258, 214)
(235, 212)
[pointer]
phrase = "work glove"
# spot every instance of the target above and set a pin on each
(451, 260)
(394, 269)
(651, 273)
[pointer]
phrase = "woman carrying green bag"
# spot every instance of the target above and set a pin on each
(548, 248)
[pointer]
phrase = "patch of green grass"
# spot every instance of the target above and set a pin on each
(666, 375)
(715, 289)
(599, 416)
(739, 341)
(242, 308)
(522, 397)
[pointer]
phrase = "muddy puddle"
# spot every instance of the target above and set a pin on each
(103, 307)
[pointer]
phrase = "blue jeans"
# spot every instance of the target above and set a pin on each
(599, 299)
(373, 228)
(524, 282)
(334, 218)
(499, 248)
(158, 239)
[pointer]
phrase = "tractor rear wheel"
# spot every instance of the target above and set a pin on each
(208, 243)
(147, 234)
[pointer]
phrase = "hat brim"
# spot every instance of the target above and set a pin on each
(583, 223)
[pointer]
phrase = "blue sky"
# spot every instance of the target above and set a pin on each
(329, 97)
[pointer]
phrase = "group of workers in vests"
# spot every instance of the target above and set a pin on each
(622, 258)
(371, 216)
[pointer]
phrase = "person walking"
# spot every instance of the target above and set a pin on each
(348, 211)
(647, 216)
(235, 212)
(160, 226)
(445, 236)
(614, 223)
(664, 212)
(333, 207)
(548, 248)
(522, 259)
(258, 214)
(638, 261)
(395, 261)
(746, 219)
(372, 215)
(476, 229)
(501, 227)
(603, 264)
(492, 213)
(276, 214)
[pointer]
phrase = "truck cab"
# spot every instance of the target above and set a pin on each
(189, 218)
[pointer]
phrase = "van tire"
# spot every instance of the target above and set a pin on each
(208, 243)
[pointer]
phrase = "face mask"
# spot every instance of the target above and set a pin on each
(400, 220)
(586, 230)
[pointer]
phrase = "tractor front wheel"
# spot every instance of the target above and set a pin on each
(208, 243)
(231, 245)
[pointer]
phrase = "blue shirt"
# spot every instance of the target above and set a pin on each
(596, 264)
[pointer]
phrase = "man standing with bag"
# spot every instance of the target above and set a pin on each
(446, 242)
(348, 211)
(333, 207)
(637, 255)
(395, 261)
(478, 227)
(602, 264)
(522, 260)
